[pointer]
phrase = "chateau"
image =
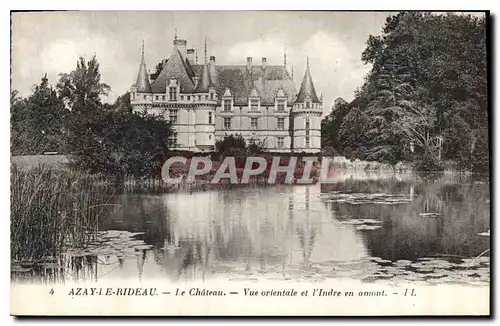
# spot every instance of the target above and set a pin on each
(206, 102)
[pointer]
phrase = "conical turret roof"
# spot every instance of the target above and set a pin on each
(142, 84)
(205, 82)
(307, 88)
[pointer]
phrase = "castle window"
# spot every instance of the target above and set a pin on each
(254, 105)
(163, 97)
(281, 106)
(133, 96)
(227, 123)
(308, 105)
(308, 123)
(144, 97)
(280, 142)
(281, 123)
(211, 96)
(227, 105)
(173, 139)
(173, 116)
(210, 118)
(156, 97)
(254, 123)
(173, 93)
(189, 98)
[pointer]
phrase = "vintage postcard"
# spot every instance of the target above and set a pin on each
(220, 163)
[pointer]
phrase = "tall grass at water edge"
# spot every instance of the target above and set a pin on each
(51, 209)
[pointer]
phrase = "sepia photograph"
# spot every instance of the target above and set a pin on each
(250, 163)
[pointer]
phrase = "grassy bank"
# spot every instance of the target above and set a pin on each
(49, 210)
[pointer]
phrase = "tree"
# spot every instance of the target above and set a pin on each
(37, 122)
(81, 91)
(158, 69)
(134, 144)
(354, 143)
(82, 88)
(330, 126)
(122, 103)
(428, 77)
(230, 143)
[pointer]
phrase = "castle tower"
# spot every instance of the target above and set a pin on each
(306, 112)
(141, 90)
(204, 109)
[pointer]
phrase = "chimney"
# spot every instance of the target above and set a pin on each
(181, 45)
(212, 59)
(190, 56)
(249, 63)
(264, 62)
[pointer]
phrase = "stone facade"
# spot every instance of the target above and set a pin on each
(206, 102)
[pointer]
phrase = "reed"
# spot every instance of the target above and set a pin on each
(51, 209)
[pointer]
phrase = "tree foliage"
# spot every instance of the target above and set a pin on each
(230, 144)
(37, 122)
(124, 143)
(102, 138)
(427, 87)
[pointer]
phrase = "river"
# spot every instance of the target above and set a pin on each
(371, 227)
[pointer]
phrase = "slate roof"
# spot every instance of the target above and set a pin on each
(142, 82)
(241, 81)
(174, 67)
(307, 88)
(204, 82)
(238, 78)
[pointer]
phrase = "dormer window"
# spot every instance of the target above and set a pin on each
(228, 105)
(280, 105)
(308, 105)
(212, 95)
(172, 93)
(254, 100)
(254, 104)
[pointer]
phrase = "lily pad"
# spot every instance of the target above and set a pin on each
(431, 215)
(368, 227)
(143, 247)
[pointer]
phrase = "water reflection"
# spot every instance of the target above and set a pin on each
(298, 232)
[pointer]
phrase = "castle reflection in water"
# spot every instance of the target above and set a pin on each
(291, 232)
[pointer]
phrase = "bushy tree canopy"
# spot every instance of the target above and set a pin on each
(428, 77)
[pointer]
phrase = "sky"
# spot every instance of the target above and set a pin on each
(51, 42)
